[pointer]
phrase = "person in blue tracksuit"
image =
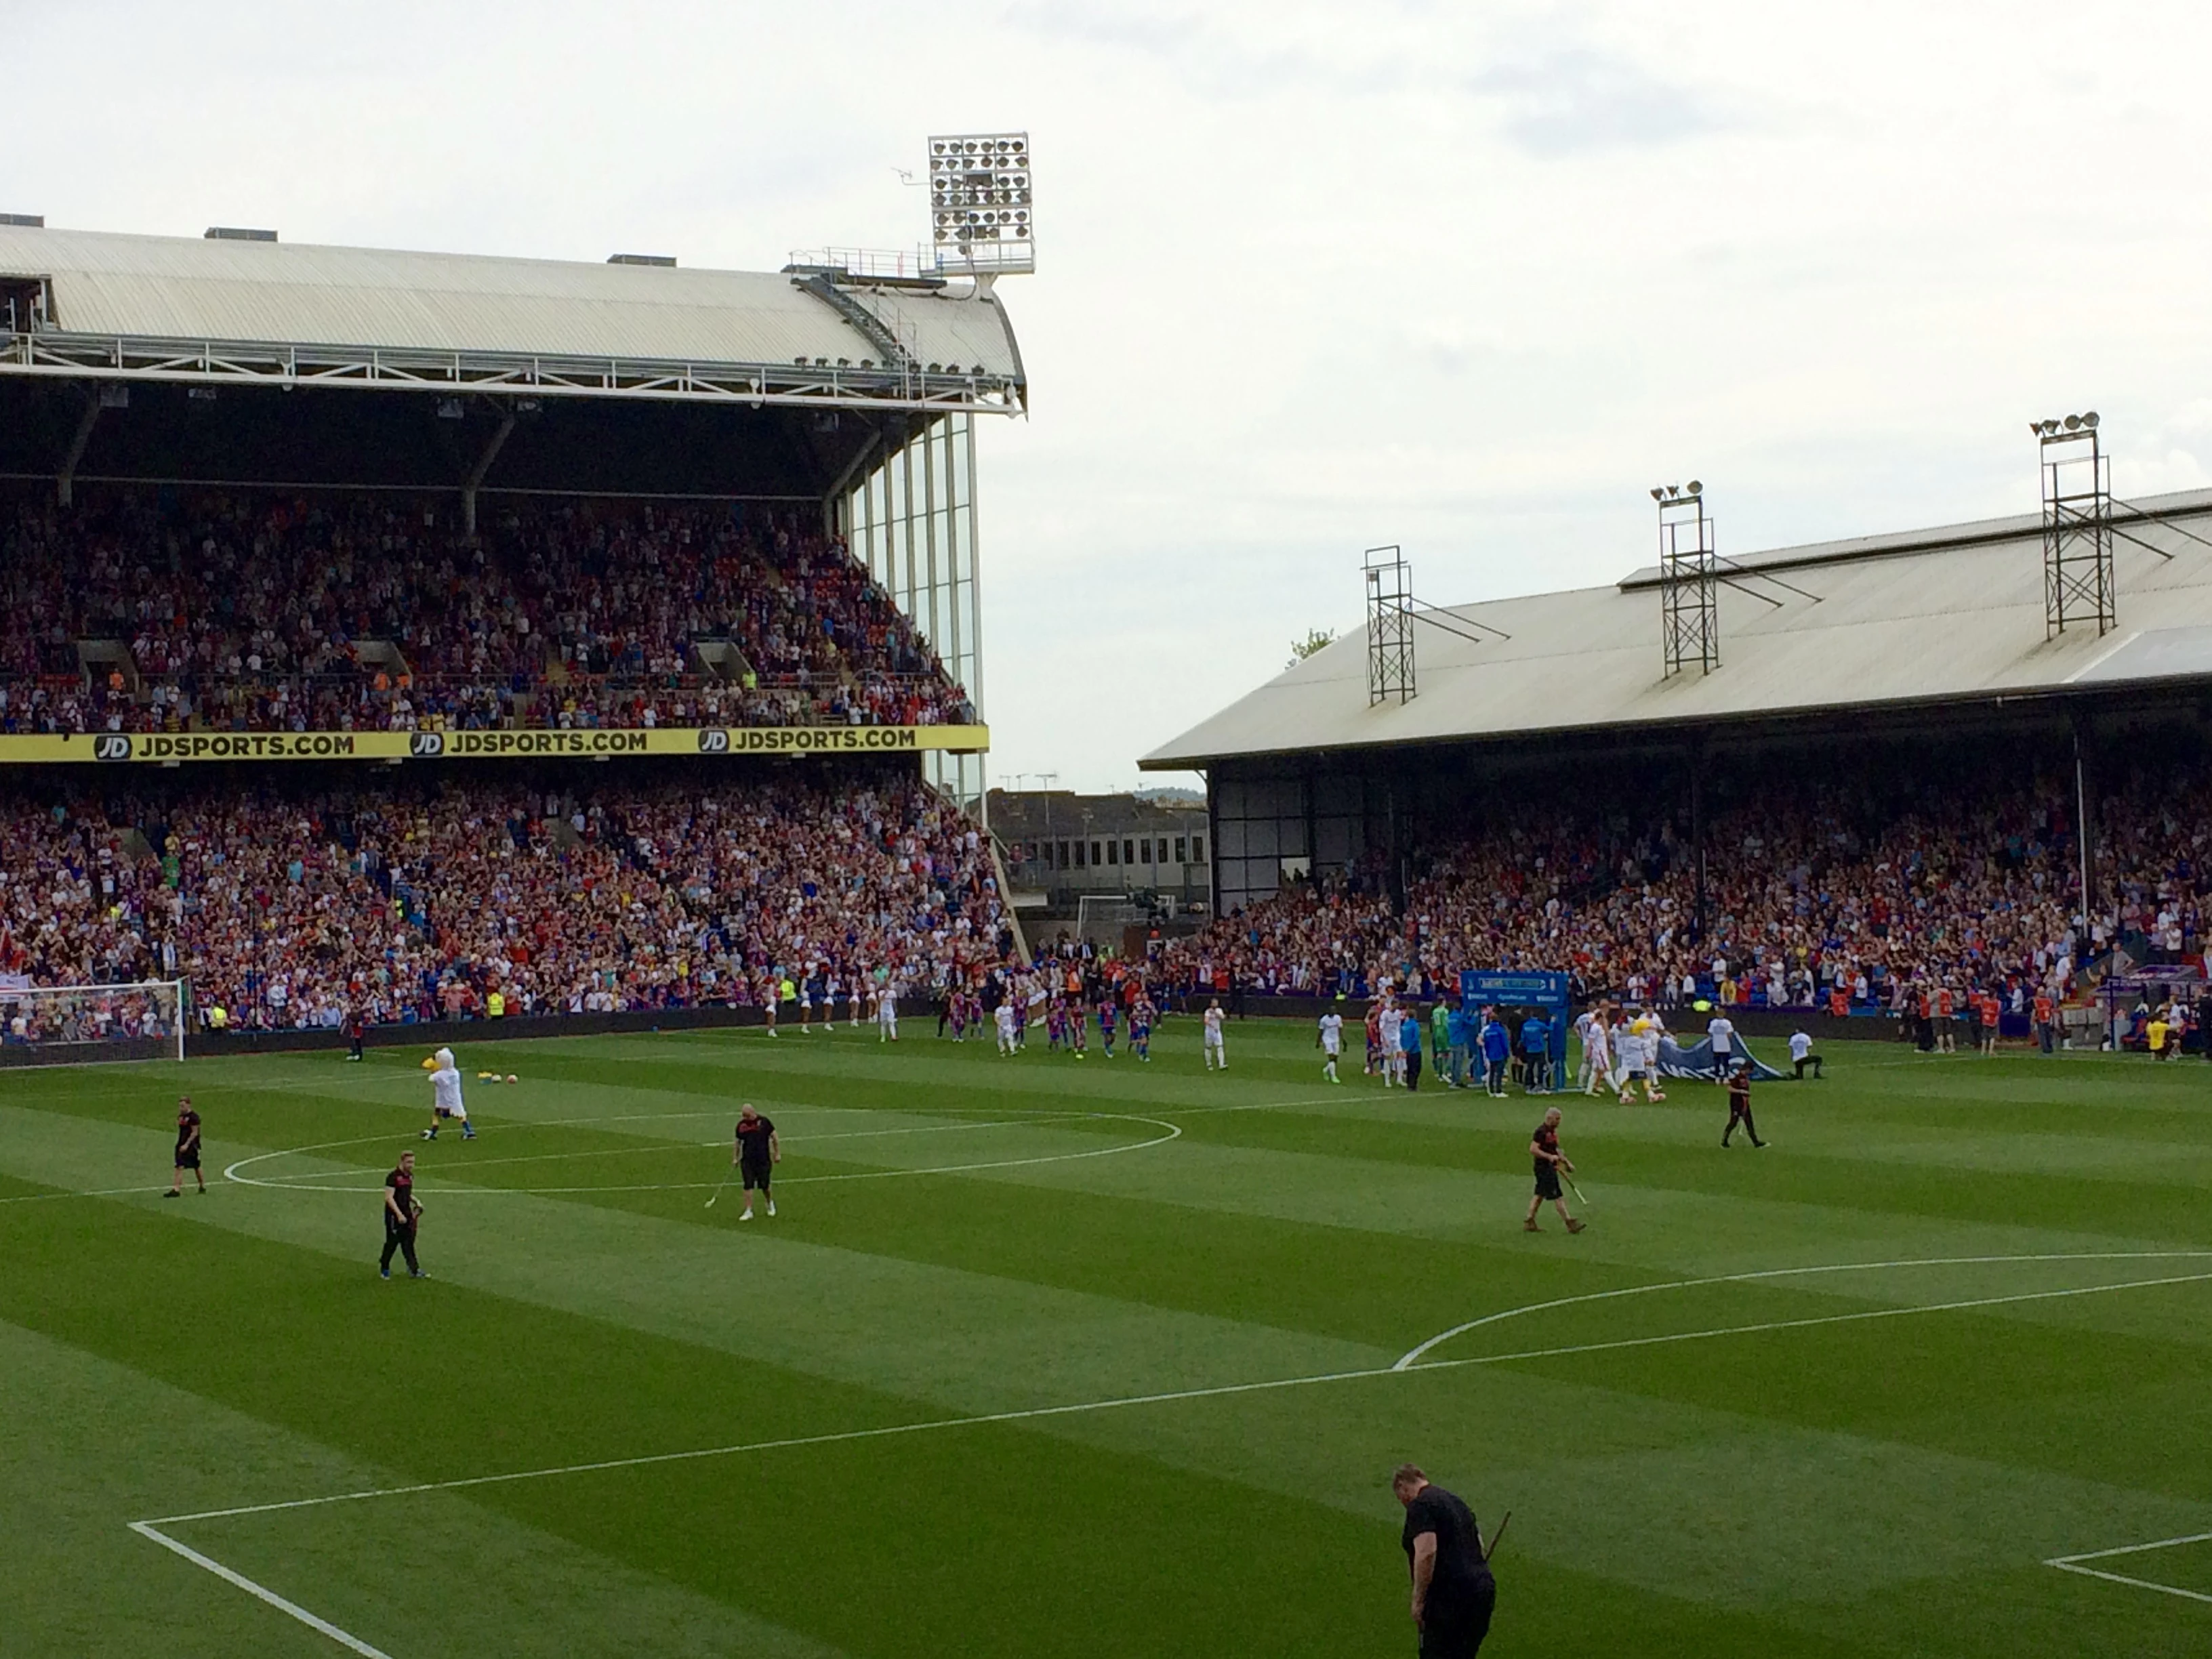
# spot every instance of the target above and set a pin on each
(1409, 1042)
(1463, 1033)
(1497, 1049)
(1536, 1053)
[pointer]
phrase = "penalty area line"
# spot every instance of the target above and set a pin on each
(2072, 1564)
(261, 1592)
(1034, 1414)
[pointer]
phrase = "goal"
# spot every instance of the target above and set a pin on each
(1102, 918)
(60, 1023)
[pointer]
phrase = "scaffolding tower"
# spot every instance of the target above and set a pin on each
(1390, 626)
(1689, 581)
(2077, 526)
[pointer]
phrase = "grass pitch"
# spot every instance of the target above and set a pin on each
(1046, 1357)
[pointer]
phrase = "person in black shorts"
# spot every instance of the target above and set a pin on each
(188, 1147)
(757, 1153)
(1739, 1091)
(401, 1216)
(1453, 1594)
(1544, 1148)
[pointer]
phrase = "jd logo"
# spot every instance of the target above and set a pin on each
(110, 745)
(427, 746)
(714, 740)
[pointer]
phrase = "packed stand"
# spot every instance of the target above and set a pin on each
(398, 904)
(1918, 901)
(345, 612)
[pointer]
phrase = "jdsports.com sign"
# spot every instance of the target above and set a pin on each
(173, 748)
(835, 739)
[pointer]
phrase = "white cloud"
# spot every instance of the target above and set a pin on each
(1313, 276)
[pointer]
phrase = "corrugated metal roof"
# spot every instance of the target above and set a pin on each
(1939, 615)
(187, 288)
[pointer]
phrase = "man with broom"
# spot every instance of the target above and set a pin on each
(1453, 1594)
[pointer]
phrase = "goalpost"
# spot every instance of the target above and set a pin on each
(1106, 915)
(145, 1019)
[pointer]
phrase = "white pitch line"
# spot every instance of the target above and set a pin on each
(2072, 1564)
(462, 1189)
(103, 1192)
(1807, 1323)
(1218, 1391)
(2131, 1549)
(980, 1420)
(649, 1148)
(1012, 1114)
(2137, 1583)
(229, 1575)
(1413, 1358)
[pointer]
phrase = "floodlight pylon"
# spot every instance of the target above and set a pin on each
(1390, 626)
(1689, 583)
(982, 211)
(2078, 587)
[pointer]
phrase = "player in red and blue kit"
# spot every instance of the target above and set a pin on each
(1106, 1025)
(1140, 1028)
(1079, 1027)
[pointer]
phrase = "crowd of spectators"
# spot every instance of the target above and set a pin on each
(1836, 895)
(395, 903)
(267, 611)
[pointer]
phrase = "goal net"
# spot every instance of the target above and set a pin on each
(69, 1023)
(1102, 918)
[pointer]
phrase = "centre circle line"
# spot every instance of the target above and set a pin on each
(1173, 1132)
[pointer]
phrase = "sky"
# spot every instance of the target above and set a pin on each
(1310, 278)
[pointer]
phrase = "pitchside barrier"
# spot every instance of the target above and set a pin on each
(512, 1028)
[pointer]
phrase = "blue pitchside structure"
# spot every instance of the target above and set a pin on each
(1546, 992)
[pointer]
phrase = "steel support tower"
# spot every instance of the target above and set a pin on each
(2077, 526)
(1689, 581)
(1390, 626)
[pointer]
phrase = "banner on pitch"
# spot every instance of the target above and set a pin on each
(169, 748)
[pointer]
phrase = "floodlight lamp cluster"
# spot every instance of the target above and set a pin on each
(1689, 492)
(2085, 422)
(979, 189)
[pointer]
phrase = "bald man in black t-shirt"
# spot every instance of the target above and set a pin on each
(1453, 1594)
(756, 1153)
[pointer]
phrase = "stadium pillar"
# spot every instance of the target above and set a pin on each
(1698, 834)
(491, 449)
(1395, 867)
(2084, 820)
(65, 481)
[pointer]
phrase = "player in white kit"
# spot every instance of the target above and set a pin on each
(1005, 1021)
(887, 1013)
(1583, 1021)
(1636, 1051)
(446, 1097)
(1653, 1029)
(1331, 1043)
(1216, 1053)
(1391, 1021)
(1597, 1052)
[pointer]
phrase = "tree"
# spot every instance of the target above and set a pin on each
(1316, 638)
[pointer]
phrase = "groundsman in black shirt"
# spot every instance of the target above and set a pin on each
(1453, 1594)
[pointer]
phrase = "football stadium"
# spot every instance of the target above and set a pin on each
(531, 1123)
